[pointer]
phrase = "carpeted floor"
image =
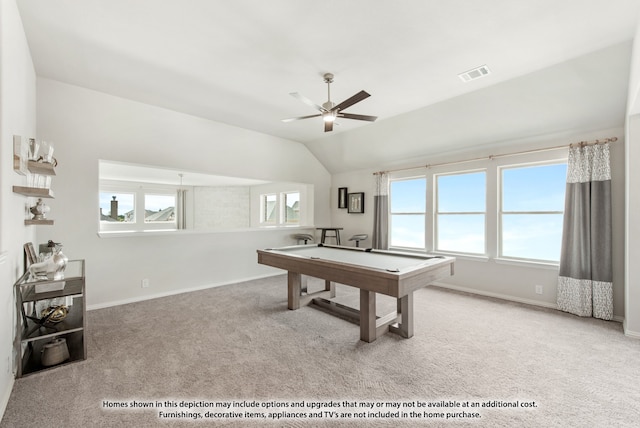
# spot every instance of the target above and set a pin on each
(470, 358)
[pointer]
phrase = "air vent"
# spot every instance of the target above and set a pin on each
(474, 74)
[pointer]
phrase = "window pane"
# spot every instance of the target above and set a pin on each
(292, 207)
(408, 196)
(407, 231)
(117, 207)
(462, 192)
(532, 236)
(461, 233)
(268, 208)
(535, 188)
(159, 208)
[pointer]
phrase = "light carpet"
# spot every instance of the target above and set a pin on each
(239, 343)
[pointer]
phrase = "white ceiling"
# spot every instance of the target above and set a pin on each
(237, 61)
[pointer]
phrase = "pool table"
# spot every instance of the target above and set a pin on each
(372, 271)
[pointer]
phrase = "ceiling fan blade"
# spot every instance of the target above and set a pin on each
(308, 102)
(351, 101)
(292, 119)
(358, 117)
(328, 126)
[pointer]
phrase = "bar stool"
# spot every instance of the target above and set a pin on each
(336, 233)
(303, 237)
(358, 238)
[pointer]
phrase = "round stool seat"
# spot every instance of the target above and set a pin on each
(358, 238)
(303, 237)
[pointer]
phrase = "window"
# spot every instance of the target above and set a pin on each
(117, 207)
(159, 208)
(268, 209)
(291, 209)
(407, 206)
(531, 211)
(461, 212)
(132, 207)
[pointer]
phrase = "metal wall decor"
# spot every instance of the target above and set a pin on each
(356, 203)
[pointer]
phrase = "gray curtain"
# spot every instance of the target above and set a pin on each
(181, 209)
(380, 234)
(585, 286)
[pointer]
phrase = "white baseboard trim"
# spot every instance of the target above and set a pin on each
(509, 298)
(630, 333)
(5, 396)
(497, 295)
(174, 292)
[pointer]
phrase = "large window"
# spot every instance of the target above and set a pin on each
(280, 209)
(131, 207)
(291, 209)
(461, 212)
(117, 207)
(408, 201)
(159, 208)
(268, 204)
(531, 211)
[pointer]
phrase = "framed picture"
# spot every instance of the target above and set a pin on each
(29, 254)
(20, 155)
(342, 197)
(356, 203)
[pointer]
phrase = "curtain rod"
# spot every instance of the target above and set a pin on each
(492, 157)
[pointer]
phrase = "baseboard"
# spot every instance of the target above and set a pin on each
(509, 298)
(496, 295)
(630, 333)
(5, 396)
(175, 292)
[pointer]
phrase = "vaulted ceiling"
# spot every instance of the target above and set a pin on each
(237, 61)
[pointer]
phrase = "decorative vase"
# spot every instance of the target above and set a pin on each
(55, 352)
(39, 210)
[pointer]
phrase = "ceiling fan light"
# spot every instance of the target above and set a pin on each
(329, 116)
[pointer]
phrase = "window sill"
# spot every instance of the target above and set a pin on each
(464, 256)
(173, 232)
(528, 263)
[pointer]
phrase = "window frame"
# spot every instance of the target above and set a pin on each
(283, 200)
(139, 191)
(437, 212)
(408, 213)
(500, 213)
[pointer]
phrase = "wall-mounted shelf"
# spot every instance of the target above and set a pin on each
(42, 168)
(36, 192)
(46, 222)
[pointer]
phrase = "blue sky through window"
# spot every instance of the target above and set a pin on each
(532, 203)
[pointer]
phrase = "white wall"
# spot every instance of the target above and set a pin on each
(86, 126)
(222, 207)
(17, 116)
(513, 281)
(632, 147)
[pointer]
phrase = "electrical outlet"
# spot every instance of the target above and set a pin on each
(539, 289)
(144, 283)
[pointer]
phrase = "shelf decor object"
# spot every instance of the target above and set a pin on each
(35, 160)
(48, 319)
(20, 155)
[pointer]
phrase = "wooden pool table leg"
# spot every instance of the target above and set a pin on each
(367, 316)
(405, 309)
(331, 288)
(294, 286)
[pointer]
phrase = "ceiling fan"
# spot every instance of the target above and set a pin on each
(329, 111)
